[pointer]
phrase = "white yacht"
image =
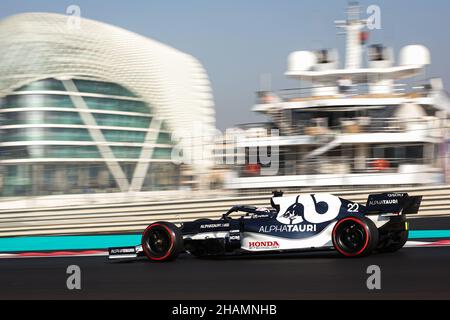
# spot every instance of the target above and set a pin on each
(367, 124)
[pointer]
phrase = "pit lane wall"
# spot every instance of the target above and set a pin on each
(135, 216)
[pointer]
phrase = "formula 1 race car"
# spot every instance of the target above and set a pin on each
(292, 223)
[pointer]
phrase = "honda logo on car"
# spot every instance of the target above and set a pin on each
(263, 245)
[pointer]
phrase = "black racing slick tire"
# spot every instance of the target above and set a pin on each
(396, 241)
(162, 241)
(355, 237)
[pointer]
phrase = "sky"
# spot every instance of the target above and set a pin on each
(238, 41)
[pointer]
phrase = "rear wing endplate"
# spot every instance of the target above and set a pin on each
(393, 203)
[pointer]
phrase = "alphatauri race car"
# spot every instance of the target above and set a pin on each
(291, 224)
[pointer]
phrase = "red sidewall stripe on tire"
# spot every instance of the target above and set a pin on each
(171, 242)
(365, 230)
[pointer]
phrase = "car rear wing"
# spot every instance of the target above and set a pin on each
(393, 203)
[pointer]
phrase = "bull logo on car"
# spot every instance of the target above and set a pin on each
(312, 209)
(294, 214)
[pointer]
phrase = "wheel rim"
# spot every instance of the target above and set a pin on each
(158, 242)
(351, 237)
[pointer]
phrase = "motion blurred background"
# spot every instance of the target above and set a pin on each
(105, 129)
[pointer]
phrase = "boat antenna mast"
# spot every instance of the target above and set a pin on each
(353, 28)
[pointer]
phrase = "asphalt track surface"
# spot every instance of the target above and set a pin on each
(412, 273)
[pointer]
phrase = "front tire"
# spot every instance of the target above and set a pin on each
(355, 237)
(162, 241)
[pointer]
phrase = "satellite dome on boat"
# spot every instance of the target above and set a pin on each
(324, 59)
(301, 61)
(415, 55)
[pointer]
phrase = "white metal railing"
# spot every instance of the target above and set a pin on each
(425, 126)
(336, 91)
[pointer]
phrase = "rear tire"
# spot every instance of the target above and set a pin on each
(162, 241)
(355, 237)
(395, 242)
